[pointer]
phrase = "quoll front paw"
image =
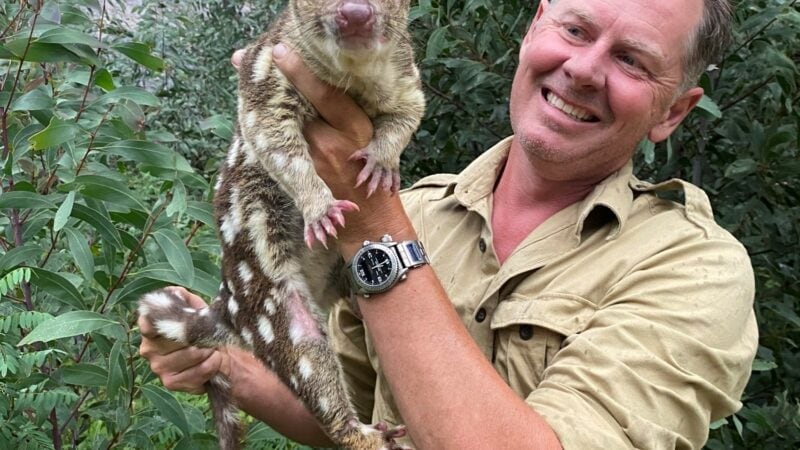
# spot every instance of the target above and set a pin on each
(379, 173)
(319, 228)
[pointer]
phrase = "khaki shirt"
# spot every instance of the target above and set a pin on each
(625, 320)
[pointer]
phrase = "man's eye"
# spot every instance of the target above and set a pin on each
(573, 30)
(628, 60)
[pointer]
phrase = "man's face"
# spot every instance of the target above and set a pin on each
(596, 77)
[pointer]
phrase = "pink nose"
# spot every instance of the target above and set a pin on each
(354, 13)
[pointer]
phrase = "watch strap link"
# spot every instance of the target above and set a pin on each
(412, 253)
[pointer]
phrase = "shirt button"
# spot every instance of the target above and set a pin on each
(482, 245)
(480, 316)
(525, 332)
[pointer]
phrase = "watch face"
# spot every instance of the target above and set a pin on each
(376, 268)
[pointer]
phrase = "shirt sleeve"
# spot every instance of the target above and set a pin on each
(669, 349)
(348, 338)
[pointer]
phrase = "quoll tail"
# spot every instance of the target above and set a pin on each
(174, 319)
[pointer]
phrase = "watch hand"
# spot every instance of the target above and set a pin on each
(376, 266)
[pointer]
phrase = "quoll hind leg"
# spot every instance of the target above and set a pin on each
(174, 319)
(313, 372)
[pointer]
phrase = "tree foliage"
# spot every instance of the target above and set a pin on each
(112, 128)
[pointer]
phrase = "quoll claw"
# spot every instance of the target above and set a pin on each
(319, 229)
(386, 178)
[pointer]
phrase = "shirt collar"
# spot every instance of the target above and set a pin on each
(474, 185)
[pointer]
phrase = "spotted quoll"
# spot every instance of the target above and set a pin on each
(272, 207)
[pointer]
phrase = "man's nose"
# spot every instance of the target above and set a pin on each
(586, 68)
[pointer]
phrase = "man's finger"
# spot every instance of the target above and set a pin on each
(236, 58)
(335, 106)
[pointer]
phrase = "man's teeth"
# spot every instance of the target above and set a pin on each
(571, 110)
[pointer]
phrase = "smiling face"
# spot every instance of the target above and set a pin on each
(596, 77)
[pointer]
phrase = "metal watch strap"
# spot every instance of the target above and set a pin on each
(412, 253)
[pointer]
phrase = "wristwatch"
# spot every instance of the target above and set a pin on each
(378, 266)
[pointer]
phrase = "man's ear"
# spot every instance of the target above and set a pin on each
(675, 114)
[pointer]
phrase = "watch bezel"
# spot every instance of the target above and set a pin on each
(392, 277)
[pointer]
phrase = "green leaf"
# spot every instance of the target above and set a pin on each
(149, 153)
(57, 286)
(64, 211)
(80, 251)
(100, 221)
(25, 200)
(117, 372)
(436, 43)
(709, 106)
(84, 374)
(140, 53)
(106, 189)
(41, 52)
(134, 288)
(56, 133)
(177, 254)
(68, 324)
(178, 203)
(104, 80)
(35, 100)
(63, 35)
(202, 211)
(134, 94)
(28, 254)
(219, 125)
(741, 168)
(167, 405)
(760, 365)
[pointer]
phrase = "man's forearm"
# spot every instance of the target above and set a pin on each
(261, 394)
(431, 361)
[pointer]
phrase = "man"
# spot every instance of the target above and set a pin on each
(566, 305)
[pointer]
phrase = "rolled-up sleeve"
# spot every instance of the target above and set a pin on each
(348, 338)
(669, 349)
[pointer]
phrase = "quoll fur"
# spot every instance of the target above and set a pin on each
(272, 207)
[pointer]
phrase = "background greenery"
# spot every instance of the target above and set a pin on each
(115, 115)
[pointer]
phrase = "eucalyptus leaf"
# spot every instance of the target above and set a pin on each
(177, 254)
(66, 325)
(166, 404)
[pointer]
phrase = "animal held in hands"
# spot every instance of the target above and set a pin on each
(272, 207)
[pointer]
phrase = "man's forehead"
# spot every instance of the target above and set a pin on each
(594, 15)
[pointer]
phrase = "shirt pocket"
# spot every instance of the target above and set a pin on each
(529, 331)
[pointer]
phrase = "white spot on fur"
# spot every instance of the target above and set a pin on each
(244, 272)
(296, 332)
(300, 166)
(263, 64)
(265, 329)
(172, 329)
(293, 381)
(305, 368)
(278, 159)
(205, 311)
(252, 118)
(190, 310)
(233, 306)
(269, 305)
(232, 222)
(233, 153)
(324, 404)
(159, 300)
(247, 336)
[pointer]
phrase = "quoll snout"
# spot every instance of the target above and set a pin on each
(355, 16)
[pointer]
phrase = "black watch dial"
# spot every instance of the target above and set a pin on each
(375, 267)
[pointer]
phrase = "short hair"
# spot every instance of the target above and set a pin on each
(707, 42)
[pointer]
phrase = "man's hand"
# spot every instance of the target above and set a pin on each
(179, 367)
